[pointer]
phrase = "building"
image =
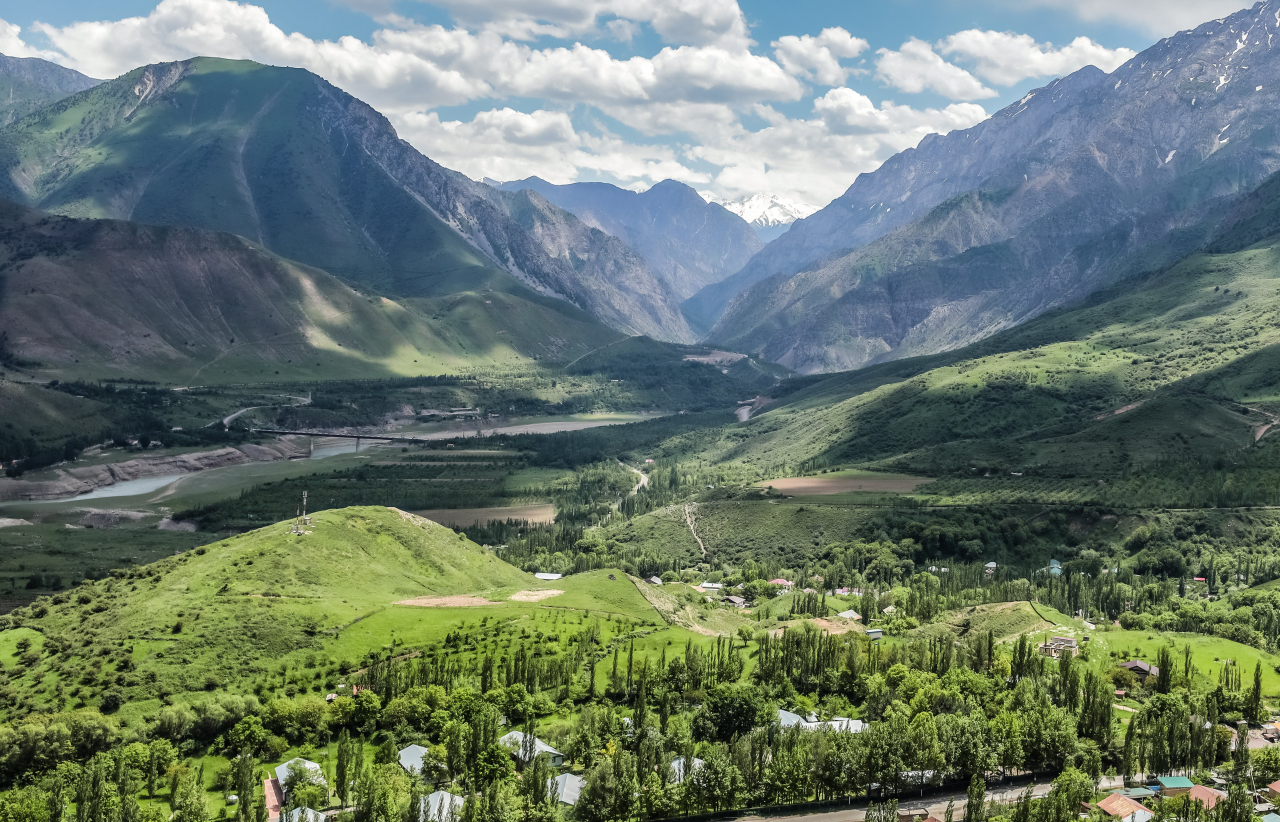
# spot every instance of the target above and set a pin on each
(1174, 786)
(1055, 568)
(566, 788)
(1123, 808)
(1142, 669)
(891, 609)
(874, 634)
(990, 567)
(782, 582)
(302, 815)
(548, 577)
(442, 806)
(275, 797)
(850, 614)
(1056, 646)
(1205, 796)
(678, 768)
(908, 814)
(411, 758)
(1273, 790)
(710, 586)
(515, 741)
(282, 772)
(786, 719)
(1136, 794)
(737, 602)
(654, 580)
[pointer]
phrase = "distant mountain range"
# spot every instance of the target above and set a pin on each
(29, 83)
(769, 214)
(1080, 184)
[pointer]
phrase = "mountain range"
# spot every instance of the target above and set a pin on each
(770, 215)
(29, 83)
(1091, 179)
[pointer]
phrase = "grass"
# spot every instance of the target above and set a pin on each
(1207, 654)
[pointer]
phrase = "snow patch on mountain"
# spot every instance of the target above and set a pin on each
(768, 214)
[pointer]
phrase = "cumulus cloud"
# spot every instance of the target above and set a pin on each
(1159, 18)
(916, 67)
(818, 58)
(1005, 58)
(11, 43)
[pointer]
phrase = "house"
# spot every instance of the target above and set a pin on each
(1055, 568)
(1123, 808)
(1271, 817)
(836, 723)
(1205, 796)
(891, 609)
(1273, 790)
(990, 567)
(298, 763)
(850, 614)
(737, 602)
(1174, 786)
(275, 797)
(783, 582)
(786, 719)
(566, 788)
(302, 815)
(908, 814)
(710, 586)
(411, 758)
(874, 634)
(548, 577)
(442, 806)
(654, 580)
(678, 768)
(1142, 669)
(1057, 646)
(1136, 794)
(515, 741)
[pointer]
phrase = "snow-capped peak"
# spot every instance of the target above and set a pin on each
(764, 210)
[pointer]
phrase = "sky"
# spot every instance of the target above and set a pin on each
(792, 98)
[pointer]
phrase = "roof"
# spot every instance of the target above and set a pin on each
(780, 581)
(850, 614)
(1136, 793)
(274, 795)
(1206, 795)
(736, 600)
(786, 719)
(654, 580)
(677, 768)
(1275, 786)
(566, 788)
(989, 565)
(1143, 667)
(711, 586)
(1175, 782)
(1122, 806)
(547, 576)
(1271, 817)
(411, 758)
(442, 806)
(302, 815)
(515, 739)
(282, 772)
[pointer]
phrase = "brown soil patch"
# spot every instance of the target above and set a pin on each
(833, 627)
(445, 602)
(462, 517)
(535, 596)
(821, 485)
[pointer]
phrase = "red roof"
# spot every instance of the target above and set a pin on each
(779, 582)
(1117, 804)
(1208, 796)
(275, 797)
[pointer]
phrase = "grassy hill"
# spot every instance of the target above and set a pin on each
(223, 613)
(106, 298)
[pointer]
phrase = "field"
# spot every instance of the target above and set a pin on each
(1207, 653)
(463, 517)
(845, 481)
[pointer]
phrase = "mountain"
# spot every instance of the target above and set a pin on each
(769, 214)
(686, 241)
(287, 160)
(227, 608)
(29, 83)
(109, 298)
(1084, 182)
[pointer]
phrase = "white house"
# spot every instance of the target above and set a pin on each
(566, 788)
(677, 768)
(786, 719)
(442, 806)
(654, 580)
(710, 586)
(515, 741)
(840, 723)
(282, 772)
(850, 614)
(411, 758)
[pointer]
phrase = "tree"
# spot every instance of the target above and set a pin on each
(539, 804)
(1253, 706)
(926, 749)
(188, 802)
(1240, 755)
(343, 769)
(731, 711)
(242, 770)
(248, 737)
(1164, 661)
(975, 807)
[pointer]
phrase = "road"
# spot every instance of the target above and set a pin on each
(227, 419)
(644, 478)
(935, 806)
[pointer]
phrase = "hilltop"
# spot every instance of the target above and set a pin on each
(220, 614)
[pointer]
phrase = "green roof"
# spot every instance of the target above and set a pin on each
(1175, 782)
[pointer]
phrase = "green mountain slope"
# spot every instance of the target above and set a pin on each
(232, 608)
(1174, 366)
(29, 83)
(95, 298)
(288, 161)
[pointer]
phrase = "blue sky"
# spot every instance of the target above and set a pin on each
(734, 97)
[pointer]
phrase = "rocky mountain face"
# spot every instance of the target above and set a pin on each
(29, 83)
(1081, 183)
(289, 161)
(769, 214)
(688, 242)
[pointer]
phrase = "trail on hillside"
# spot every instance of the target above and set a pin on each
(689, 509)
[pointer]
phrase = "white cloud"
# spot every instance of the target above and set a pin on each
(1005, 58)
(915, 67)
(1159, 18)
(11, 43)
(818, 58)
